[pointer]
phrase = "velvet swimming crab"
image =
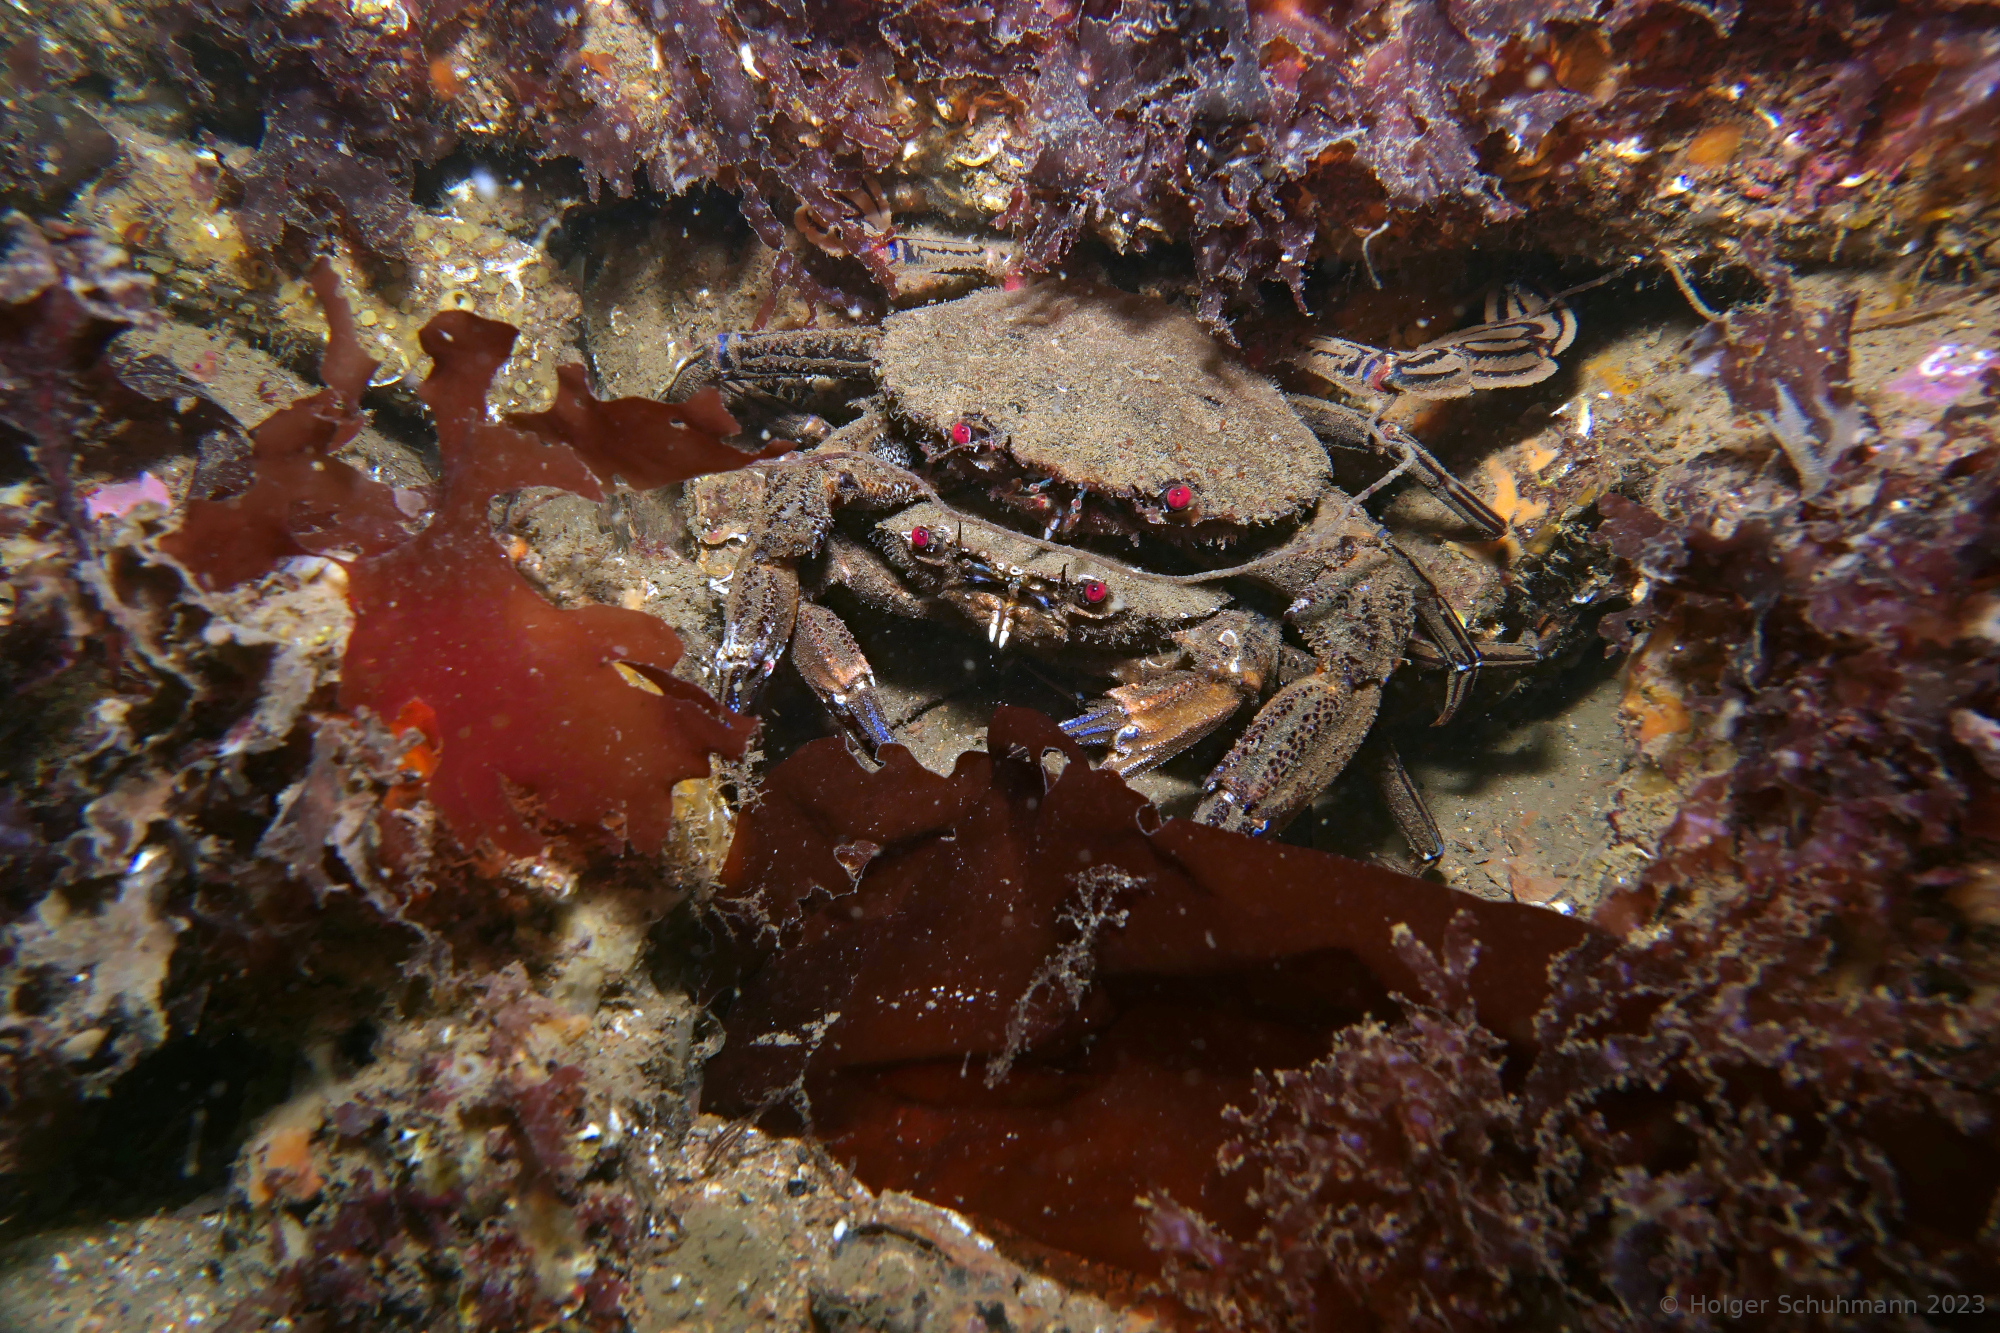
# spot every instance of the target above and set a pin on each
(1086, 411)
(1187, 657)
(1090, 415)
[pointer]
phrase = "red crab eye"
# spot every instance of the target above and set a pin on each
(961, 433)
(920, 538)
(1178, 497)
(1093, 591)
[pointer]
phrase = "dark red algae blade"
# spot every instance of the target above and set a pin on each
(1127, 1028)
(640, 441)
(536, 729)
(535, 724)
(302, 501)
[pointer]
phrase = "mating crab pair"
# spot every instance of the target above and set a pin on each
(1097, 414)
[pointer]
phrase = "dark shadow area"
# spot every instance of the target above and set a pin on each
(167, 1134)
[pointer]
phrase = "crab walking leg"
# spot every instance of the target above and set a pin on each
(1442, 641)
(1444, 645)
(1346, 428)
(1517, 346)
(832, 663)
(792, 362)
(1405, 801)
(1357, 616)
(1492, 656)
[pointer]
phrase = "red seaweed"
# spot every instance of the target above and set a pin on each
(640, 442)
(1025, 997)
(302, 500)
(535, 728)
(535, 724)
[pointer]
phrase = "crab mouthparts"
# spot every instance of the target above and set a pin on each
(1002, 623)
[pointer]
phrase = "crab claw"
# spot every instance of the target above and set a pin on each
(1151, 722)
(831, 662)
(763, 601)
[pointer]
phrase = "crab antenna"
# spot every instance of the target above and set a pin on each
(1599, 281)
